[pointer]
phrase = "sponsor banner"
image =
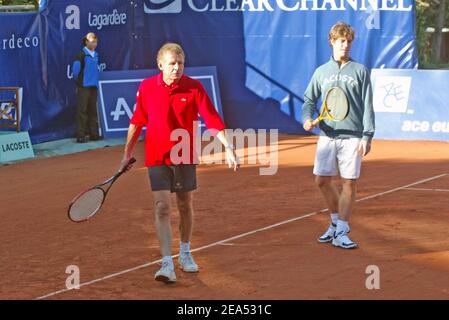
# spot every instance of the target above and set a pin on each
(411, 104)
(15, 146)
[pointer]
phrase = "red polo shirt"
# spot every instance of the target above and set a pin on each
(162, 109)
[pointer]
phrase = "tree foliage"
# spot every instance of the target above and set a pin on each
(431, 15)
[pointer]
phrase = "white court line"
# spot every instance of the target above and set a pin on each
(221, 242)
(402, 188)
(425, 189)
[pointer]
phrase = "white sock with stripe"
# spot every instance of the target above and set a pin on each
(184, 247)
(334, 218)
(169, 260)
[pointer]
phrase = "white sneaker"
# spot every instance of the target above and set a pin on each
(186, 262)
(166, 273)
(329, 234)
(342, 240)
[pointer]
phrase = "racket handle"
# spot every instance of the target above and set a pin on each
(130, 161)
(315, 122)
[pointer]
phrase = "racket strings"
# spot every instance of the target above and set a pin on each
(86, 205)
(337, 104)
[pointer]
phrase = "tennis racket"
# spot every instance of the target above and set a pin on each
(85, 205)
(335, 106)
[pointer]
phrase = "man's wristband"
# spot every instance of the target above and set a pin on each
(367, 138)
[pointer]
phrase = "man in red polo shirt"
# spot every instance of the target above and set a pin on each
(167, 102)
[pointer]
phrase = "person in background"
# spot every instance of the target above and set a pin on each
(85, 72)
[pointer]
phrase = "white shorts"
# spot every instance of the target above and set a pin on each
(338, 155)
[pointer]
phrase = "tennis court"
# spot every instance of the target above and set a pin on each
(254, 236)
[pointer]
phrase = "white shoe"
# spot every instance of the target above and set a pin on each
(342, 240)
(166, 273)
(328, 235)
(186, 263)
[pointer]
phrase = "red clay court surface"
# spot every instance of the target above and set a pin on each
(401, 224)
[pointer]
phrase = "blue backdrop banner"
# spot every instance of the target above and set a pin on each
(265, 51)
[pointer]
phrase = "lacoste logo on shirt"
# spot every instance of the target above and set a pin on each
(339, 77)
(184, 99)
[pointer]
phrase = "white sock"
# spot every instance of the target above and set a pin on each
(334, 218)
(342, 226)
(184, 247)
(168, 259)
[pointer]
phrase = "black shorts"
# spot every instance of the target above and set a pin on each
(175, 178)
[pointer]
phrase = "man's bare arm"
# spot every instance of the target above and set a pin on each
(131, 141)
(231, 157)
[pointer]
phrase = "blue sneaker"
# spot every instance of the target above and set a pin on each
(328, 235)
(342, 240)
(186, 263)
(166, 273)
